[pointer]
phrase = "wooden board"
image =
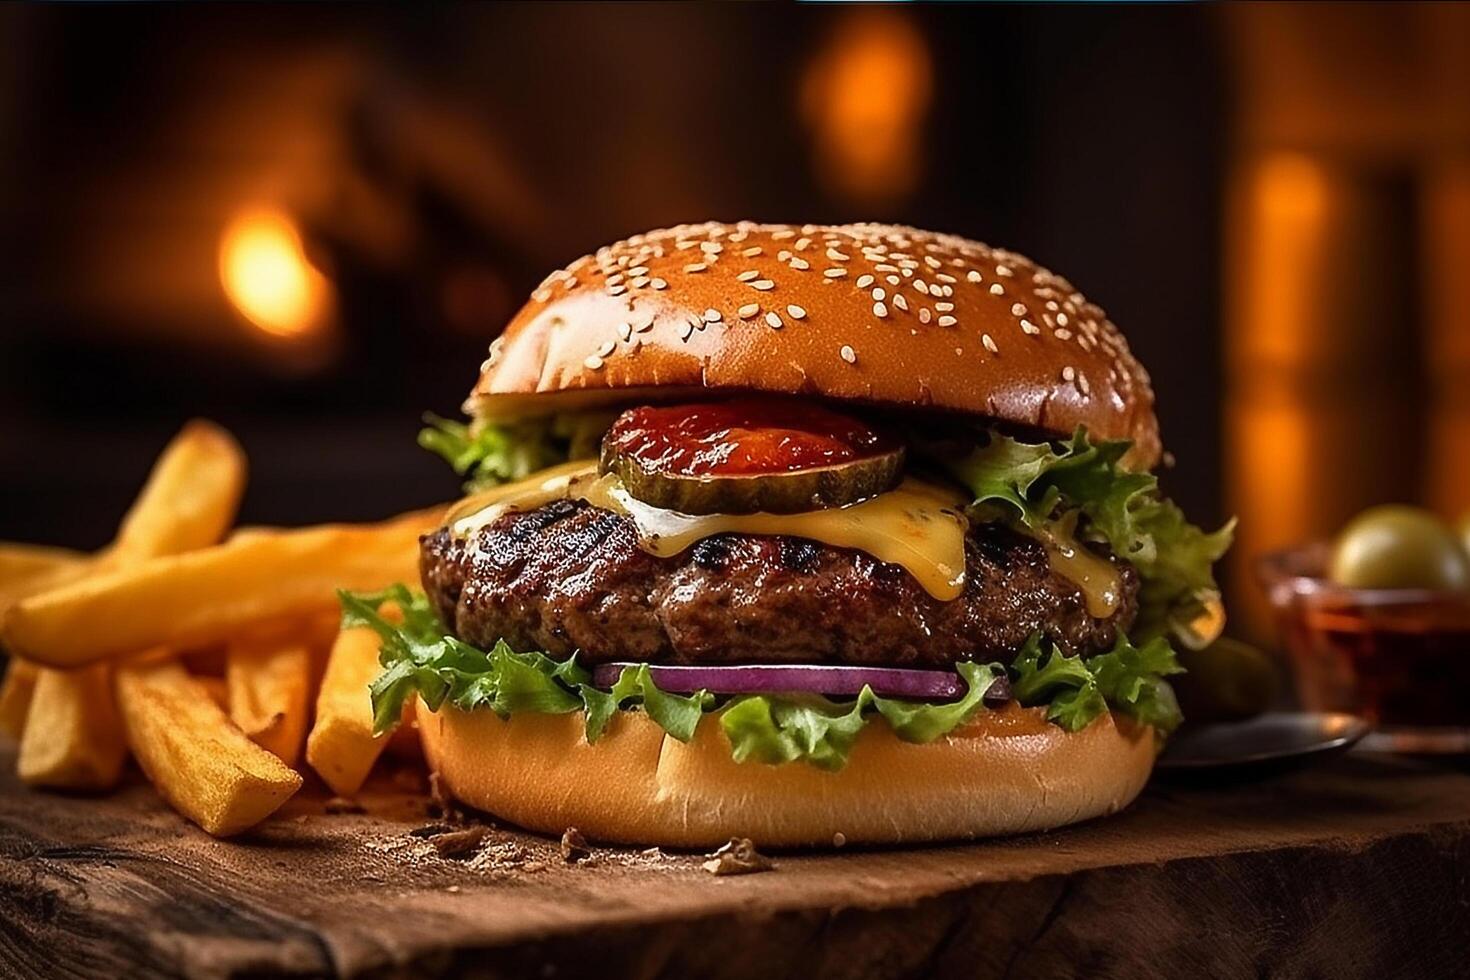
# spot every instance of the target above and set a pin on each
(1359, 868)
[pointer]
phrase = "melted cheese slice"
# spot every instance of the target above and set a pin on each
(917, 526)
(1095, 577)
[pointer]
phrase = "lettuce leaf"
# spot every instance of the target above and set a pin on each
(1038, 483)
(775, 730)
(1076, 690)
(492, 453)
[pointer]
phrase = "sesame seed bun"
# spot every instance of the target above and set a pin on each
(880, 314)
(1006, 772)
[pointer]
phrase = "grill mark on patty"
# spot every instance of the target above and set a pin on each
(570, 577)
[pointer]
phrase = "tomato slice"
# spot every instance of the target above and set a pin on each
(743, 437)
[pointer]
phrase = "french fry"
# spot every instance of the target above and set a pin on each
(22, 563)
(341, 747)
(216, 689)
(209, 596)
(269, 688)
(198, 760)
(189, 500)
(72, 737)
(15, 697)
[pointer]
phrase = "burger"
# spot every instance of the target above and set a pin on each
(804, 534)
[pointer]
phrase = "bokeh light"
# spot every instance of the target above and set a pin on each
(267, 276)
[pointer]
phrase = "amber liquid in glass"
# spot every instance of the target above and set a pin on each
(1400, 665)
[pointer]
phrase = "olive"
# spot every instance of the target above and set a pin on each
(1399, 547)
(1225, 681)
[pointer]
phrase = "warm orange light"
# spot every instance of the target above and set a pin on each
(1289, 222)
(865, 96)
(266, 274)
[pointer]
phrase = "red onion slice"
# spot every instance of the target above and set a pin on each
(927, 685)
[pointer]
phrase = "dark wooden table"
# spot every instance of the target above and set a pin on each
(1360, 868)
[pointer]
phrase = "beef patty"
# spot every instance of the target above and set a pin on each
(570, 577)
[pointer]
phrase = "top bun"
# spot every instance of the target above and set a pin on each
(880, 314)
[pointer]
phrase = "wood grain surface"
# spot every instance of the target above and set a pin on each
(1357, 869)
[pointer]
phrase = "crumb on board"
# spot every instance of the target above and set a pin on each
(456, 843)
(738, 857)
(574, 846)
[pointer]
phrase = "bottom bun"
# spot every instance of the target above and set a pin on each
(1006, 772)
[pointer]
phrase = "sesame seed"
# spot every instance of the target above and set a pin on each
(711, 248)
(800, 264)
(683, 246)
(695, 267)
(774, 319)
(764, 285)
(946, 277)
(989, 344)
(837, 256)
(932, 262)
(713, 315)
(1028, 327)
(1062, 319)
(996, 289)
(801, 244)
(1002, 270)
(639, 270)
(879, 310)
(688, 329)
(638, 282)
(796, 312)
(571, 283)
(625, 330)
(834, 273)
(885, 267)
(616, 290)
(748, 310)
(900, 302)
(751, 252)
(542, 295)
(864, 281)
(1069, 373)
(921, 286)
(641, 323)
(925, 314)
(593, 362)
(879, 294)
(848, 354)
(748, 275)
(658, 283)
(947, 321)
(1062, 333)
(944, 307)
(615, 278)
(606, 348)
(1083, 385)
(784, 255)
(972, 276)
(1018, 309)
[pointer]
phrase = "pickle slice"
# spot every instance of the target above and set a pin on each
(745, 457)
(791, 492)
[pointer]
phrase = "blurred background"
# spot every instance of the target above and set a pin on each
(308, 223)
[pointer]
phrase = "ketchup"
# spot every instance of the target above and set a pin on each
(744, 437)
